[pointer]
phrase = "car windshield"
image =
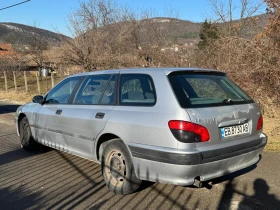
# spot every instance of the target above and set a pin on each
(207, 89)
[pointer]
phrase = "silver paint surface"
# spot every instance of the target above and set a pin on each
(77, 131)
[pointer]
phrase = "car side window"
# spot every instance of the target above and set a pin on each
(61, 93)
(97, 89)
(137, 90)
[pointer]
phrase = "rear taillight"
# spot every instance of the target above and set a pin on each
(188, 132)
(260, 123)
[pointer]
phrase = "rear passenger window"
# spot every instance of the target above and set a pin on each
(137, 90)
(97, 89)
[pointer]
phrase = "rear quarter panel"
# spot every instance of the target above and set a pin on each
(148, 125)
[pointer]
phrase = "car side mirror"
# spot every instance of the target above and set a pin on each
(38, 99)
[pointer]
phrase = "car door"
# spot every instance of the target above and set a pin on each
(86, 117)
(47, 118)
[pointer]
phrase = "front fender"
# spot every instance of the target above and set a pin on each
(22, 111)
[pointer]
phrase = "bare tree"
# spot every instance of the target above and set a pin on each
(107, 35)
(227, 12)
(101, 30)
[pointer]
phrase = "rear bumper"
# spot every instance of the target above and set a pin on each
(183, 168)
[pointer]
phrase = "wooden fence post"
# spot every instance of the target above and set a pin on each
(15, 80)
(52, 77)
(6, 81)
(38, 83)
(25, 81)
(46, 78)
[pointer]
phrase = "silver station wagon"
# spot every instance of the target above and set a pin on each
(169, 125)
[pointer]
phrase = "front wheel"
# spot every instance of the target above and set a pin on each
(118, 170)
(25, 135)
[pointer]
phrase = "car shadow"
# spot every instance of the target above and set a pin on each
(20, 154)
(8, 108)
(233, 175)
(8, 155)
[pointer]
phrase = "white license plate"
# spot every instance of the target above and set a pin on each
(234, 130)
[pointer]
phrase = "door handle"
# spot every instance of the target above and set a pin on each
(58, 112)
(99, 115)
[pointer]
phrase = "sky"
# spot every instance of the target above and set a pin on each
(53, 14)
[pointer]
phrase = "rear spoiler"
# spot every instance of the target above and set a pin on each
(196, 71)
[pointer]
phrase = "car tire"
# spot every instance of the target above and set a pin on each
(26, 139)
(117, 169)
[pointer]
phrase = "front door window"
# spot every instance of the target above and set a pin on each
(62, 92)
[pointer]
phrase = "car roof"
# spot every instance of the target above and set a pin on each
(145, 70)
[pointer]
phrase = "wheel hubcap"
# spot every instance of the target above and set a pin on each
(115, 167)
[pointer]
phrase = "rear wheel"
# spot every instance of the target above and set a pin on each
(25, 135)
(118, 170)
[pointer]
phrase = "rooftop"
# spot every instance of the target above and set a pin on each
(6, 49)
(167, 71)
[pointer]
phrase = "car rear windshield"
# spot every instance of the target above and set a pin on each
(206, 89)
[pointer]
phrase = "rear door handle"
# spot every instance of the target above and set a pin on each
(58, 112)
(99, 115)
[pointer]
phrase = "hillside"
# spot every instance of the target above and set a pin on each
(176, 28)
(14, 33)
(181, 31)
(186, 30)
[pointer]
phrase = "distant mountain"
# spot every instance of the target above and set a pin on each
(180, 30)
(258, 24)
(182, 26)
(177, 29)
(184, 30)
(14, 33)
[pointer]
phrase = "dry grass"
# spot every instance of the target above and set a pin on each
(254, 65)
(18, 97)
(272, 130)
(21, 95)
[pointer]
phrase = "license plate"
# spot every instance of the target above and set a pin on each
(234, 130)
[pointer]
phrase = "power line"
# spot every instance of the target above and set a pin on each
(15, 5)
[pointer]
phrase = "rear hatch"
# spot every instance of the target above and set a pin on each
(213, 101)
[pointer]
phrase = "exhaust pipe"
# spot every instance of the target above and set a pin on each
(197, 183)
